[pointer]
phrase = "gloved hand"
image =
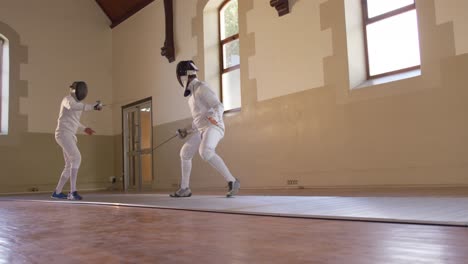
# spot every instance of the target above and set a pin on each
(212, 120)
(89, 131)
(182, 133)
(98, 106)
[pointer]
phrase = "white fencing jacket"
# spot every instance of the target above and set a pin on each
(69, 117)
(204, 103)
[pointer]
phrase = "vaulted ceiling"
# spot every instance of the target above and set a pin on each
(119, 10)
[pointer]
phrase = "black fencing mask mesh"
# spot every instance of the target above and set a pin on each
(79, 90)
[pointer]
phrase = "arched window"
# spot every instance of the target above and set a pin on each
(229, 55)
(4, 84)
(391, 36)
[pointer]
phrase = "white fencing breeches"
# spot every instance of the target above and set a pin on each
(205, 142)
(72, 157)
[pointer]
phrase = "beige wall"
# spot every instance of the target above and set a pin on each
(289, 50)
(300, 119)
(454, 11)
(139, 71)
(37, 163)
(53, 43)
(67, 40)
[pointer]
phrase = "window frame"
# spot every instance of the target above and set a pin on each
(367, 21)
(2, 43)
(221, 43)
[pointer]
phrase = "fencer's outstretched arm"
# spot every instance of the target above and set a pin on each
(78, 106)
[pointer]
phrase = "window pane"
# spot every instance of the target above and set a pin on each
(378, 7)
(393, 43)
(231, 90)
(231, 54)
(4, 86)
(229, 20)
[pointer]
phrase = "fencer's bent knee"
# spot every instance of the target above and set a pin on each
(206, 153)
(185, 154)
(75, 160)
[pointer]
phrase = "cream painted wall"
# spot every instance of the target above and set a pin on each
(455, 11)
(299, 119)
(67, 40)
(289, 49)
(211, 45)
(139, 70)
(54, 42)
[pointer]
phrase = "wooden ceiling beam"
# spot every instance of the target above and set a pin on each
(281, 6)
(168, 49)
(120, 10)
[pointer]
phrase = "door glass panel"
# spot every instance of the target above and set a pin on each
(146, 168)
(146, 144)
(133, 168)
(145, 119)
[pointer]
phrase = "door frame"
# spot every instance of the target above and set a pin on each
(133, 104)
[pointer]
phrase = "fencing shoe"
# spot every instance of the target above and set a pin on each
(58, 196)
(182, 193)
(233, 188)
(74, 196)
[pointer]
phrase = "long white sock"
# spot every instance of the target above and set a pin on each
(218, 163)
(186, 169)
(73, 177)
(63, 179)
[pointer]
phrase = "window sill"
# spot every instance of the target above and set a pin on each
(390, 78)
(232, 112)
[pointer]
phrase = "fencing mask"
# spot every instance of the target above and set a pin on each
(79, 90)
(184, 70)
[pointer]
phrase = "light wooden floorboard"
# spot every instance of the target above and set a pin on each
(44, 232)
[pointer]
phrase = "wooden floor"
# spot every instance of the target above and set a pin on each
(36, 232)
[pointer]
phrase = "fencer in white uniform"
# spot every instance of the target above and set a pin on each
(68, 125)
(206, 132)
